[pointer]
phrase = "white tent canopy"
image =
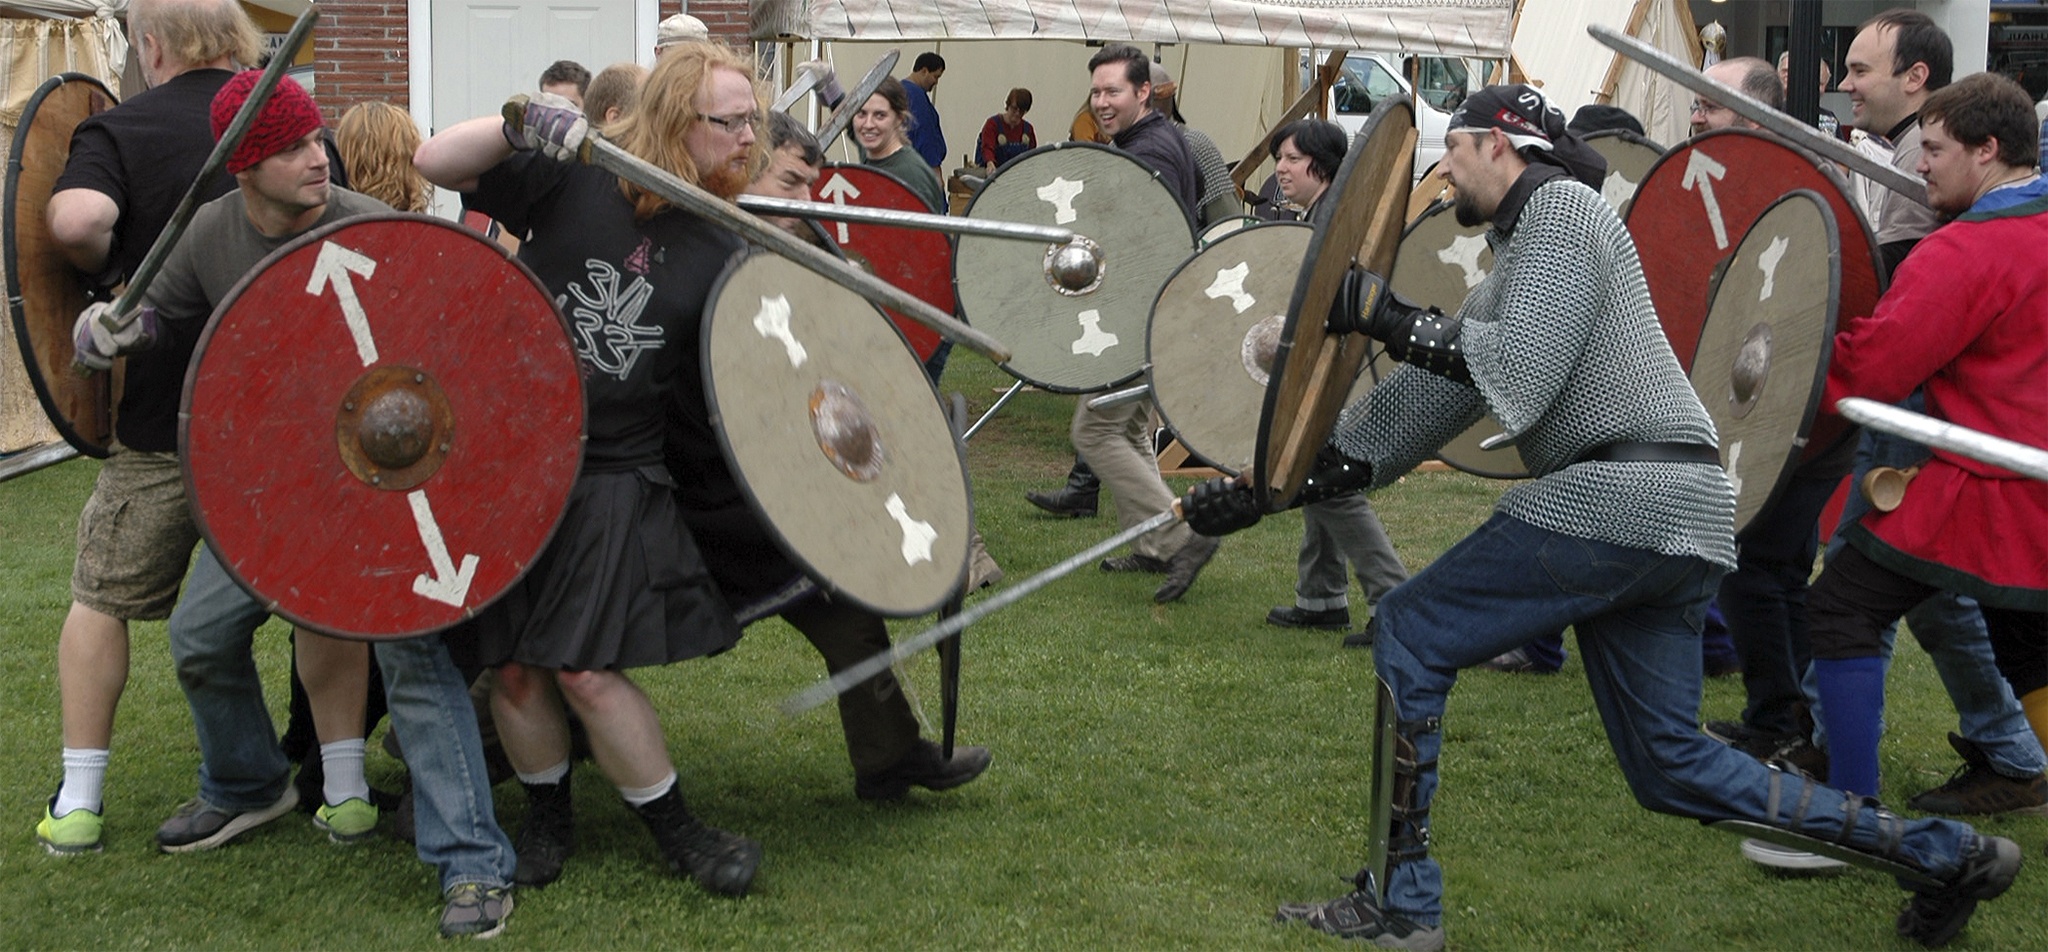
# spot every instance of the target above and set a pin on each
(1554, 50)
(1477, 28)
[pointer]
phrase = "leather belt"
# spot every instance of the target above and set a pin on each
(1648, 452)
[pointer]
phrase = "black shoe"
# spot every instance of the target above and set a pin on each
(1076, 499)
(1932, 917)
(1977, 789)
(1364, 637)
(1761, 744)
(1182, 568)
(548, 837)
(1800, 752)
(1134, 563)
(1516, 661)
(1357, 915)
(1290, 616)
(923, 767)
(722, 863)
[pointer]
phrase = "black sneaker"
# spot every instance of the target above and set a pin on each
(199, 825)
(1763, 745)
(1932, 917)
(1291, 616)
(1357, 915)
(720, 862)
(548, 837)
(923, 767)
(475, 910)
(1977, 789)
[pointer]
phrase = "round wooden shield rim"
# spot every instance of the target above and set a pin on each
(952, 243)
(1626, 136)
(17, 309)
(1818, 385)
(865, 168)
(1316, 253)
(774, 531)
(269, 604)
(968, 212)
(1164, 416)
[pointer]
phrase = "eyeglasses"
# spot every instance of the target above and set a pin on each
(733, 124)
(1705, 107)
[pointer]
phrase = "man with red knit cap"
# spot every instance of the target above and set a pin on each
(282, 192)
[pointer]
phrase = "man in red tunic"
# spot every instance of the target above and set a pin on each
(1967, 318)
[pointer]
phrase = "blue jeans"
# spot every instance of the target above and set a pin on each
(212, 634)
(1951, 630)
(1638, 615)
(454, 827)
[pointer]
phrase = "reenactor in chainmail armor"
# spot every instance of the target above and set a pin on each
(1623, 534)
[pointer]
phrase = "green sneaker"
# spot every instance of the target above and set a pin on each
(352, 820)
(71, 834)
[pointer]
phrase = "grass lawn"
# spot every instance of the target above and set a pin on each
(1164, 776)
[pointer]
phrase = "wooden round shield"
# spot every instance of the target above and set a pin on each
(1074, 315)
(836, 437)
(914, 259)
(1701, 198)
(1629, 160)
(382, 425)
(1763, 354)
(1358, 221)
(1214, 333)
(44, 293)
(1439, 263)
(1218, 231)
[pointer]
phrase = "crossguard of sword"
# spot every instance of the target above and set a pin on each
(514, 114)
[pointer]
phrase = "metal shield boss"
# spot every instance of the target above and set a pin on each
(44, 293)
(1629, 160)
(914, 259)
(1074, 315)
(1359, 220)
(836, 437)
(1701, 198)
(1763, 352)
(1214, 334)
(381, 426)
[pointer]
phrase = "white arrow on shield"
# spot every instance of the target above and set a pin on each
(446, 584)
(333, 267)
(837, 190)
(1703, 172)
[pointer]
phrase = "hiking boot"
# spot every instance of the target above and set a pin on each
(1363, 637)
(1134, 563)
(1290, 616)
(982, 570)
(71, 834)
(475, 910)
(350, 821)
(1357, 915)
(1788, 860)
(1976, 788)
(1076, 499)
(720, 862)
(1933, 916)
(1515, 661)
(923, 767)
(548, 837)
(199, 825)
(1184, 566)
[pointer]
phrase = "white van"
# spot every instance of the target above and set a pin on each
(1370, 77)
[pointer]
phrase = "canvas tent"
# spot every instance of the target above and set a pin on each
(1551, 48)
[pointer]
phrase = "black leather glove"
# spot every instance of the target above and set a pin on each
(1366, 305)
(1219, 507)
(1335, 475)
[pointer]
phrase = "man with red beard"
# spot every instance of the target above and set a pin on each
(622, 584)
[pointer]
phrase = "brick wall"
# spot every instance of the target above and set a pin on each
(359, 53)
(727, 19)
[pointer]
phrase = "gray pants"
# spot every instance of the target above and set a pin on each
(1337, 531)
(1117, 443)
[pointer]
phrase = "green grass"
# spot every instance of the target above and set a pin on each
(1164, 776)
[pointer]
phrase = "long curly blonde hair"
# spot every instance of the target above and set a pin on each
(654, 129)
(377, 140)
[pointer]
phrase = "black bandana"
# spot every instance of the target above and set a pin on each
(1535, 127)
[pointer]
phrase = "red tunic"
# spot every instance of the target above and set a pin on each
(1967, 317)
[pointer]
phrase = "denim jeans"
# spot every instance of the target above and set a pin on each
(1764, 602)
(1950, 628)
(454, 827)
(1638, 615)
(212, 634)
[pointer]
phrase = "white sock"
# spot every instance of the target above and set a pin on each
(645, 795)
(341, 771)
(85, 770)
(550, 776)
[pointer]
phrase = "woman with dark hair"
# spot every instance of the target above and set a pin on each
(882, 128)
(1006, 135)
(1306, 154)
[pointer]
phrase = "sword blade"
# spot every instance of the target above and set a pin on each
(855, 98)
(828, 211)
(1920, 428)
(805, 82)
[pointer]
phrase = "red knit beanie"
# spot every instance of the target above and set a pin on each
(286, 118)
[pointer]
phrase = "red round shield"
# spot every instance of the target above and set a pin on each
(381, 426)
(913, 259)
(1701, 198)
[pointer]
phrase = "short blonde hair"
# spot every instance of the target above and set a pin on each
(198, 31)
(653, 131)
(616, 87)
(377, 140)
